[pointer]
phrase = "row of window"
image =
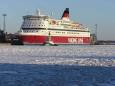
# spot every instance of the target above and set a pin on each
(30, 31)
(28, 25)
(55, 32)
(68, 32)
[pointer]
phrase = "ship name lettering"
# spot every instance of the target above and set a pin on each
(72, 40)
(75, 40)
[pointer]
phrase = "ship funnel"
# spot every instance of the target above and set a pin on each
(65, 15)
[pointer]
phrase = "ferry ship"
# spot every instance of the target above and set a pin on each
(42, 29)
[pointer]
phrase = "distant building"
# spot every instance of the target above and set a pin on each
(2, 36)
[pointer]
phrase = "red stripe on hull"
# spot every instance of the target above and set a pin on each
(55, 39)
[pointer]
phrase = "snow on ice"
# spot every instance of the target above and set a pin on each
(74, 65)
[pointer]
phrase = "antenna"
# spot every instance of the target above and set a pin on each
(38, 12)
(52, 14)
(96, 26)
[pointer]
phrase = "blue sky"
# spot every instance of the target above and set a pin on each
(87, 12)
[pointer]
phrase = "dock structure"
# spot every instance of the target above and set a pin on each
(106, 42)
(93, 39)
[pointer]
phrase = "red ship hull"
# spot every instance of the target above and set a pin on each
(42, 29)
(29, 39)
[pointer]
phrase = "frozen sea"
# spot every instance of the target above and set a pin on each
(73, 65)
